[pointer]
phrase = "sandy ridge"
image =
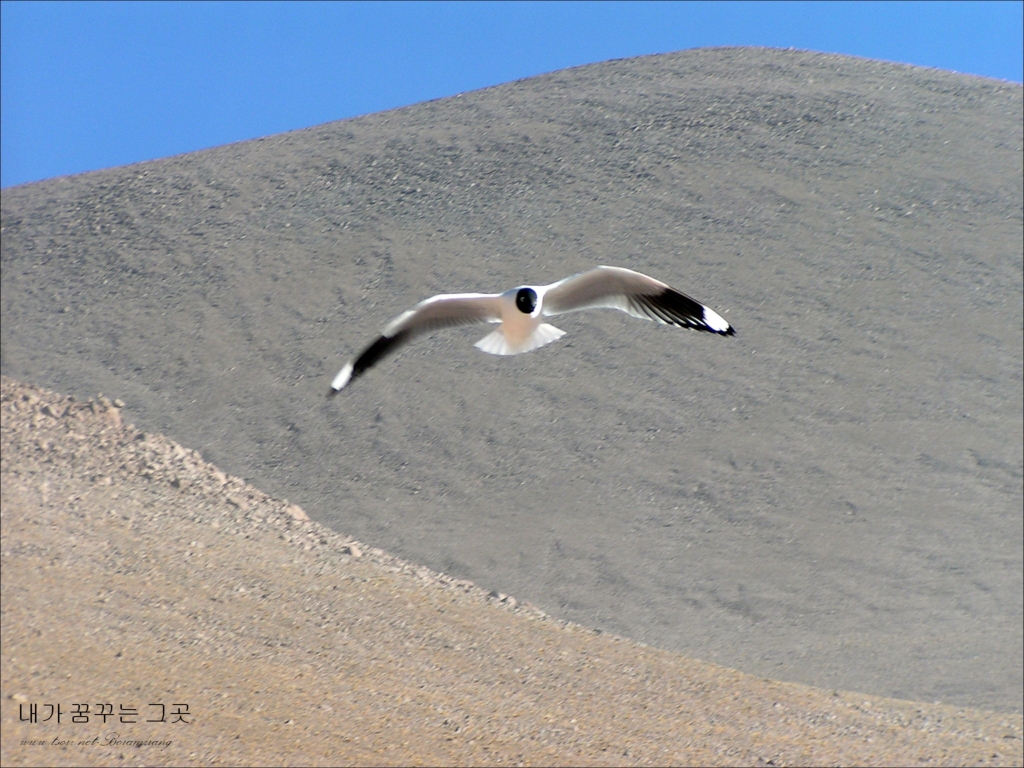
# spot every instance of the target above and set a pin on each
(127, 452)
(136, 571)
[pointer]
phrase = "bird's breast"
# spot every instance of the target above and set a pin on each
(517, 327)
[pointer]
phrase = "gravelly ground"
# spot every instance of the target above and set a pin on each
(833, 497)
(136, 572)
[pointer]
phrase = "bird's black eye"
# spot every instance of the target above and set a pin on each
(526, 300)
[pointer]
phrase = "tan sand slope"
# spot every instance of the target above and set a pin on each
(134, 572)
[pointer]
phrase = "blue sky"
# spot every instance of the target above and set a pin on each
(93, 85)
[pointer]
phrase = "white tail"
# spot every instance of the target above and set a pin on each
(495, 342)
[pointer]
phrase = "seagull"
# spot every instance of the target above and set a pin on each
(521, 312)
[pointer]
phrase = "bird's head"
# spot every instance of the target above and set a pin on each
(526, 300)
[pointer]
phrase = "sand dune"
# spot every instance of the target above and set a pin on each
(136, 572)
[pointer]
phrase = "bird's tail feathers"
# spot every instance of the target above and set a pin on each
(495, 343)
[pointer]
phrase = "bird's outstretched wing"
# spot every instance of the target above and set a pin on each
(634, 293)
(443, 311)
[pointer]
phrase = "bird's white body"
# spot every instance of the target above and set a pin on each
(518, 331)
(520, 313)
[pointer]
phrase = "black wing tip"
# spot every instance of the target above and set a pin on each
(676, 308)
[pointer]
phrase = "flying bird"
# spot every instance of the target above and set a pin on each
(521, 312)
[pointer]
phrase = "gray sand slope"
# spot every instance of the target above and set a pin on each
(832, 497)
